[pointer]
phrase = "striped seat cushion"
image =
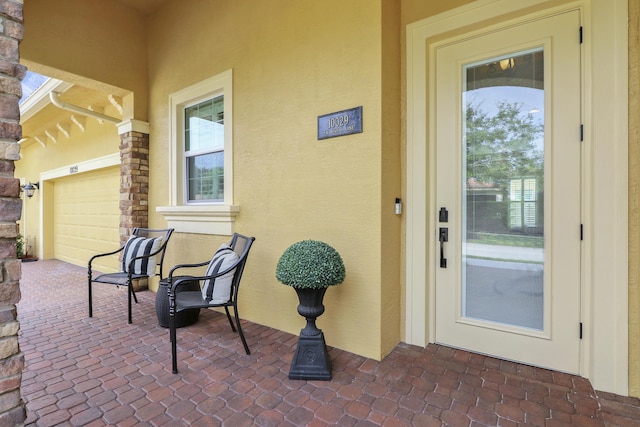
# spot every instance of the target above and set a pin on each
(140, 246)
(218, 290)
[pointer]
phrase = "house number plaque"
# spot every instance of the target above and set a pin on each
(345, 122)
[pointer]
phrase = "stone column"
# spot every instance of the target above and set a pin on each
(134, 181)
(134, 177)
(12, 408)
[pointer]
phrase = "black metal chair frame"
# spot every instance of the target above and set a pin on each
(122, 278)
(183, 299)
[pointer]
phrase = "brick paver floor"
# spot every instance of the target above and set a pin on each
(103, 371)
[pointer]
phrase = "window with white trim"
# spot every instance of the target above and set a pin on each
(204, 151)
(201, 158)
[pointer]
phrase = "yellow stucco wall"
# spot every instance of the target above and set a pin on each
(102, 41)
(415, 10)
(292, 62)
(391, 172)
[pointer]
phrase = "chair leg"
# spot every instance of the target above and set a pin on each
(90, 274)
(90, 300)
(233, 328)
(244, 341)
(172, 329)
(130, 290)
(172, 338)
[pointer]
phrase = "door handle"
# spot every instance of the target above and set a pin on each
(443, 215)
(443, 236)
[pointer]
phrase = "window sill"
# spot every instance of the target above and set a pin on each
(209, 219)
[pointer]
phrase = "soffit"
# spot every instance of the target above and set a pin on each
(45, 123)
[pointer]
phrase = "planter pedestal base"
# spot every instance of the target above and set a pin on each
(311, 360)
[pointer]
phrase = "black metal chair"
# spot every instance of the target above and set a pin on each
(142, 254)
(219, 288)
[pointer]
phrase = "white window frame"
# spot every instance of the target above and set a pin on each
(192, 154)
(213, 217)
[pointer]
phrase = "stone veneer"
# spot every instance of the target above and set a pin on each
(12, 409)
(134, 187)
(134, 182)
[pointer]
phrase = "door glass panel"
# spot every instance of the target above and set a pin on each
(503, 190)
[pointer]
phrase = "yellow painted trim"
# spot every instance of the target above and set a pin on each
(40, 98)
(133, 125)
(214, 218)
(219, 84)
(210, 219)
(86, 166)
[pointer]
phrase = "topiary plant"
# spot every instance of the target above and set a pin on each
(310, 264)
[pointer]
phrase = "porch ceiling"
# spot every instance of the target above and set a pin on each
(147, 7)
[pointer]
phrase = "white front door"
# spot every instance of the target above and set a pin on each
(508, 193)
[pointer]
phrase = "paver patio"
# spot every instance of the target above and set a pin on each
(103, 371)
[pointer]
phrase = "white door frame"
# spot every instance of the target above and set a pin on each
(604, 355)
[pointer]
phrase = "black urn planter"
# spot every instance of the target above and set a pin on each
(311, 360)
(310, 267)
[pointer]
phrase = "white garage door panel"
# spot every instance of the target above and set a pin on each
(86, 216)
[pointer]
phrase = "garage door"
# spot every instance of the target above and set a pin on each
(86, 216)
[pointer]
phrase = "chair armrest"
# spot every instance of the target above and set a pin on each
(179, 280)
(105, 254)
(176, 267)
(175, 283)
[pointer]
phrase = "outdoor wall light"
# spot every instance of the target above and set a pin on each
(30, 188)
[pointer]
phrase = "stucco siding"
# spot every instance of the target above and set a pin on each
(291, 62)
(102, 41)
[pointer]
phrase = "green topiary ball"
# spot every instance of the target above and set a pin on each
(310, 264)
